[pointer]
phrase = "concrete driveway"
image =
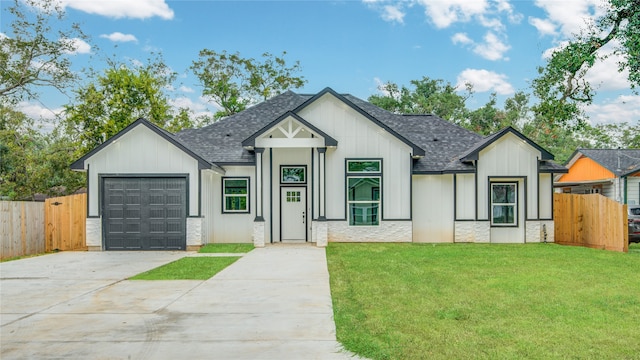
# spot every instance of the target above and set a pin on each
(273, 303)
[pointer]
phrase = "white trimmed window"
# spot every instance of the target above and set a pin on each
(504, 204)
(235, 195)
(364, 178)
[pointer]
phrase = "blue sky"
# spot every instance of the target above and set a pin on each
(351, 46)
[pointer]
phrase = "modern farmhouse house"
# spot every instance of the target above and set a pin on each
(316, 168)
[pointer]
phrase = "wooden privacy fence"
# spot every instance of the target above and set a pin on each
(64, 218)
(21, 228)
(590, 220)
(28, 228)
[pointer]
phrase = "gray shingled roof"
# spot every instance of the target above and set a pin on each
(221, 142)
(621, 162)
(443, 142)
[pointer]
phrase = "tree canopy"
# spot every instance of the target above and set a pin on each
(116, 98)
(233, 82)
(32, 55)
(562, 86)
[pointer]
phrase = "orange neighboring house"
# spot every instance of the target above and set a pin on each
(614, 173)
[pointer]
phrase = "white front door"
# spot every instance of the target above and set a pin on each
(293, 217)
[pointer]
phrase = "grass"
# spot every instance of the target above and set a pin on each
(188, 268)
(634, 248)
(226, 248)
(27, 256)
(473, 301)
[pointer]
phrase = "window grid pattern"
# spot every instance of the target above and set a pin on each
(235, 195)
(364, 178)
(504, 204)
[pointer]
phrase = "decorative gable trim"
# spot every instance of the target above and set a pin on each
(417, 151)
(251, 141)
(202, 163)
(474, 152)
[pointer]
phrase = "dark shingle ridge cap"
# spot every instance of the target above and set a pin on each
(417, 150)
(170, 137)
(472, 153)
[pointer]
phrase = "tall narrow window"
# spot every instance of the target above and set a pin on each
(235, 195)
(504, 204)
(364, 178)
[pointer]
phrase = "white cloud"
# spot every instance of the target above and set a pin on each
(621, 109)
(570, 16)
(549, 52)
(492, 47)
(119, 37)
(393, 13)
(186, 89)
(78, 45)
(198, 108)
(544, 26)
(380, 86)
(134, 9)
(461, 38)
(604, 74)
(484, 81)
(445, 13)
(3, 36)
(37, 111)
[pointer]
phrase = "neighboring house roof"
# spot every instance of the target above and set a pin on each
(621, 162)
(202, 163)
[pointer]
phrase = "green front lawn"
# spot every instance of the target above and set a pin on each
(473, 301)
(188, 268)
(226, 248)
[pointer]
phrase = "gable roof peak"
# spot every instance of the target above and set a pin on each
(472, 154)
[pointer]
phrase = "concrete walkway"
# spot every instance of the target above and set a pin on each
(273, 303)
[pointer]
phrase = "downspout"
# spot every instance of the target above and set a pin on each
(625, 190)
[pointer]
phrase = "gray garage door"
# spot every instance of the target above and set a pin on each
(144, 213)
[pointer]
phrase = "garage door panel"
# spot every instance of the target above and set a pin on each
(144, 213)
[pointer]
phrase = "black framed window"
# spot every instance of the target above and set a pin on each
(235, 195)
(293, 174)
(364, 179)
(504, 204)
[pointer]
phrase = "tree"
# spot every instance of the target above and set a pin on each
(33, 162)
(616, 135)
(562, 87)
(118, 97)
(32, 54)
(234, 82)
(428, 96)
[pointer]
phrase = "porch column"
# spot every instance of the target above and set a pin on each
(258, 222)
(322, 228)
(259, 207)
(322, 186)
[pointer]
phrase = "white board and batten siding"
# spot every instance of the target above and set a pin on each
(433, 214)
(219, 227)
(545, 197)
(509, 159)
(360, 138)
(465, 197)
(633, 190)
(141, 152)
